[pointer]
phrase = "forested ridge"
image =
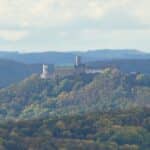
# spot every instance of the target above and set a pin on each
(114, 130)
(107, 111)
(75, 94)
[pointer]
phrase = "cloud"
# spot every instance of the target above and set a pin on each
(142, 11)
(29, 21)
(12, 35)
(33, 13)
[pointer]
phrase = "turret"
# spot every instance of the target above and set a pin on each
(45, 73)
(78, 61)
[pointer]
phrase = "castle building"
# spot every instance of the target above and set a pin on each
(79, 68)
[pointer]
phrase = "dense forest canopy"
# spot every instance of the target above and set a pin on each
(114, 130)
(105, 111)
(75, 94)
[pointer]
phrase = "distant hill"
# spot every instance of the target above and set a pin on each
(12, 72)
(125, 65)
(67, 58)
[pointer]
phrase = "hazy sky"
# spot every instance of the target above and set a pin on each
(36, 25)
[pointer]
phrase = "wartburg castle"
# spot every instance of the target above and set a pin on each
(79, 68)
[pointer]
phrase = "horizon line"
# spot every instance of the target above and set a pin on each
(72, 51)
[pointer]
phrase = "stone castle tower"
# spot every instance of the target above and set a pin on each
(45, 72)
(78, 61)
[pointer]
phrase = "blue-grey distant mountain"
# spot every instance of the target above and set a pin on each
(63, 58)
(12, 71)
(125, 65)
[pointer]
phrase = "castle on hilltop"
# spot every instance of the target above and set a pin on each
(79, 68)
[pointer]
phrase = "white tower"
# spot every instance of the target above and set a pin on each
(78, 61)
(45, 73)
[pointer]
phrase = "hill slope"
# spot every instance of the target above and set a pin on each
(115, 130)
(111, 90)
